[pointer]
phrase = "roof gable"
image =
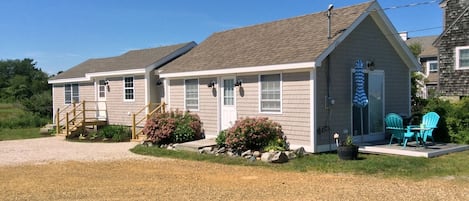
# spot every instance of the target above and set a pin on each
(132, 60)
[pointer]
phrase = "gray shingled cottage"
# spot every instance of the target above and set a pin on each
(291, 71)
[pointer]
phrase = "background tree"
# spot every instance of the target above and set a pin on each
(22, 82)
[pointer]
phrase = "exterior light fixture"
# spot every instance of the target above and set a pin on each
(211, 84)
(238, 83)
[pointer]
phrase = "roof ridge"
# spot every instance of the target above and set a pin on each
(291, 18)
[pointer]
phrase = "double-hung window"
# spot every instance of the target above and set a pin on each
(270, 93)
(462, 58)
(191, 94)
(432, 66)
(129, 90)
(72, 94)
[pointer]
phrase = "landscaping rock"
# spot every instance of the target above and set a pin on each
(252, 159)
(290, 155)
(267, 156)
(44, 131)
(300, 152)
(221, 150)
(257, 154)
(279, 157)
(247, 154)
(205, 150)
(147, 143)
(229, 153)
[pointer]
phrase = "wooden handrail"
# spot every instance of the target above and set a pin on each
(78, 117)
(160, 108)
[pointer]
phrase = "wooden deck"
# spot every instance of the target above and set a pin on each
(432, 150)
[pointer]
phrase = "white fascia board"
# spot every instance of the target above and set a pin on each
(393, 37)
(116, 73)
(89, 76)
(252, 69)
(69, 80)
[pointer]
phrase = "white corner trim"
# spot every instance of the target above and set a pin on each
(312, 109)
(277, 67)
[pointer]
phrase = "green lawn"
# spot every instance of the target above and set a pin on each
(455, 164)
(19, 133)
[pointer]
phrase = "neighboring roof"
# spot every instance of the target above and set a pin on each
(132, 60)
(426, 42)
(293, 40)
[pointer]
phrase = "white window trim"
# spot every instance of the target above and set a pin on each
(198, 95)
(457, 50)
(260, 93)
(71, 93)
(428, 67)
(124, 88)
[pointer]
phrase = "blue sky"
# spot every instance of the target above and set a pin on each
(59, 34)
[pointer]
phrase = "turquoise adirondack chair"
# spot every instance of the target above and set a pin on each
(395, 125)
(430, 122)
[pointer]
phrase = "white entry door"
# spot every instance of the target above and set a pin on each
(101, 111)
(228, 103)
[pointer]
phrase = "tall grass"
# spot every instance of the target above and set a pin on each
(19, 133)
(13, 116)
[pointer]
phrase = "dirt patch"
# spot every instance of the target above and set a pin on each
(132, 179)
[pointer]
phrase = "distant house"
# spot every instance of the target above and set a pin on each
(453, 48)
(115, 87)
(429, 60)
(299, 73)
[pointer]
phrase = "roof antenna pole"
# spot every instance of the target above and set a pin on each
(329, 16)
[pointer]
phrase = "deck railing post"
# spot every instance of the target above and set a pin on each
(66, 125)
(74, 110)
(134, 130)
(57, 121)
(84, 117)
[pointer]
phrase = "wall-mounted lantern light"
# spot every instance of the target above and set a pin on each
(238, 83)
(211, 84)
(370, 65)
(159, 82)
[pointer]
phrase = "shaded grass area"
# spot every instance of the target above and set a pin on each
(20, 133)
(455, 164)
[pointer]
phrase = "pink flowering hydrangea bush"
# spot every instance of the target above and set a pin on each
(254, 134)
(173, 127)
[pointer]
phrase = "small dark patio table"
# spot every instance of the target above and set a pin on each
(415, 130)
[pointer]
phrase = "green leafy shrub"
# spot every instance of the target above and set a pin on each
(173, 127)
(457, 122)
(253, 134)
(221, 138)
(453, 125)
(117, 133)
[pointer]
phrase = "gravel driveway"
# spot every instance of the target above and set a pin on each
(54, 149)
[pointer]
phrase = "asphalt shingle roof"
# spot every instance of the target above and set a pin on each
(293, 40)
(135, 59)
(428, 50)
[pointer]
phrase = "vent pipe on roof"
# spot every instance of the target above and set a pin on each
(329, 15)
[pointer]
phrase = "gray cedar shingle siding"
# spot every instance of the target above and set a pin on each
(453, 82)
(293, 40)
(136, 59)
